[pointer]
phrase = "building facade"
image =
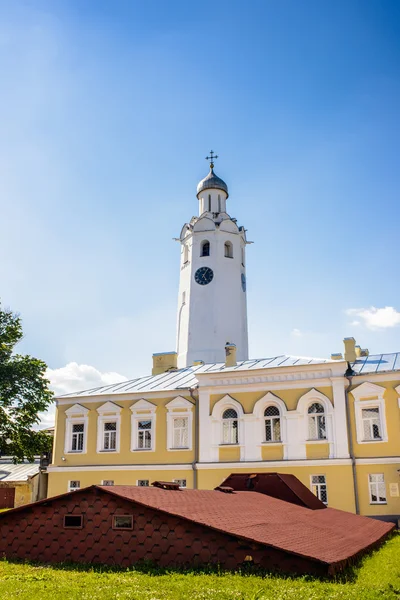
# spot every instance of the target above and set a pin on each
(208, 411)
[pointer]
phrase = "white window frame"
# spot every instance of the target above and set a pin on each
(109, 482)
(74, 489)
(181, 484)
(230, 421)
(376, 483)
(271, 419)
(108, 413)
(368, 395)
(143, 410)
(317, 417)
(76, 415)
(179, 408)
(318, 487)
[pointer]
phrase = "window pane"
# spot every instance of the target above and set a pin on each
(123, 522)
(268, 430)
(73, 521)
(321, 428)
(110, 427)
(78, 428)
(143, 482)
(277, 430)
(230, 413)
(312, 428)
(316, 408)
(271, 411)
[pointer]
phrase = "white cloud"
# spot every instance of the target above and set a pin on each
(376, 318)
(296, 332)
(75, 378)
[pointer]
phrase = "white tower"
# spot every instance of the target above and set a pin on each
(212, 307)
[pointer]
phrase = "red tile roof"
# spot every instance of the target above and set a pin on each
(330, 536)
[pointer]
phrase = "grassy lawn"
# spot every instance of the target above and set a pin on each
(377, 577)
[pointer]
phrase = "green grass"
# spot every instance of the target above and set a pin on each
(378, 577)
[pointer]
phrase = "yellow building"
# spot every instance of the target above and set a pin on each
(207, 410)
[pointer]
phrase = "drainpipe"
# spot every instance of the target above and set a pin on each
(349, 376)
(196, 434)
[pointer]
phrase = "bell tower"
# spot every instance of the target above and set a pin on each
(212, 307)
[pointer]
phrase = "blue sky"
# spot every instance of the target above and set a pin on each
(107, 112)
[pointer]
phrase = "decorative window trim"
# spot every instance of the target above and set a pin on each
(74, 488)
(376, 483)
(179, 408)
(143, 410)
(116, 528)
(312, 484)
(311, 397)
(368, 395)
(180, 481)
(108, 413)
(271, 399)
(219, 408)
(76, 415)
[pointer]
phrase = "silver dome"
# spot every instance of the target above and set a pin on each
(212, 181)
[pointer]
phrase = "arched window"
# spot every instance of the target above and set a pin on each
(209, 202)
(272, 418)
(230, 426)
(243, 257)
(316, 422)
(185, 254)
(228, 250)
(219, 203)
(205, 248)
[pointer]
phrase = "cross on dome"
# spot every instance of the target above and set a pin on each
(211, 158)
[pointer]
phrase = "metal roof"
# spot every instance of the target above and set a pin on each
(20, 472)
(212, 181)
(377, 363)
(183, 379)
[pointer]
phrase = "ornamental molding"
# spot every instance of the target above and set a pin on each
(368, 390)
(76, 409)
(143, 405)
(179, 402)
(273, 378)
(109, 407)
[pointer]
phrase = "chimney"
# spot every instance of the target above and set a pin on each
(337, 356)
(163, 362)
(198, 363)
(350, 354)
(230, 355)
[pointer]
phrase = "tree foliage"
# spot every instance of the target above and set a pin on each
(24, 392)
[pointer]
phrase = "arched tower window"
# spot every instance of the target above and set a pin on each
(272, 420)
(185, 254)
(243, 257)
(219, 203)
(316, 422)
(230, 426)
(228, 249)
(205, 248)
(209, 202)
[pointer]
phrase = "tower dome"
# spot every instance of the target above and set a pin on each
(212, 181)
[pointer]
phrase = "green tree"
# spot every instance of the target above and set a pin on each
(24, 392)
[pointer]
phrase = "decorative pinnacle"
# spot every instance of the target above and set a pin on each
(211, 158)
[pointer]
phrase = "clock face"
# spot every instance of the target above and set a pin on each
(204, 275)
(243, 277)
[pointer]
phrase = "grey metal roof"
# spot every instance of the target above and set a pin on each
(183, 379)
(212, 181)
(186, 378)
(377, 363)
(20, 472)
